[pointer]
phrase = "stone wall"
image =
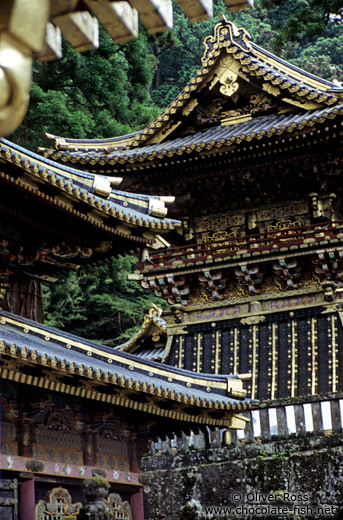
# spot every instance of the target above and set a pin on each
(179, 484)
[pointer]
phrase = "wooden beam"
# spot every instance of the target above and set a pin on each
(237, 5)
(80, 28)
(52, 49)
(25, 21)
(59, 7)
(118, 18)
(157, 15)
(197, 9)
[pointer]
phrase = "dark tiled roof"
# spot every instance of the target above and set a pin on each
(130, 208)
(215, 138)
(253, 60)
(115, 143)
(64, 353)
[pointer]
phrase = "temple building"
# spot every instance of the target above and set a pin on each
(248, 255)
(70, 406)
(252, 151)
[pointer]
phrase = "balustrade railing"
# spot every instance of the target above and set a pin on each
(272, 421)
(305, 236)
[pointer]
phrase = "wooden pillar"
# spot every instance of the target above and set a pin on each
(25, 433)
(27, 500)
(25, 298)
(137, 507)
(136, 499)
(89, 449)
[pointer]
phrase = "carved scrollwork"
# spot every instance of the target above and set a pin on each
(229, 85)
(225, 33)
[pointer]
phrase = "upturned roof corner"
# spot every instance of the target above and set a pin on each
(238, 82)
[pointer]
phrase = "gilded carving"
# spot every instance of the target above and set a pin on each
(224, 33)
(267, 87)
(229, 85)
(189, 107)
(252, 320)
(58, 506)
(226, 61)
(121, 510)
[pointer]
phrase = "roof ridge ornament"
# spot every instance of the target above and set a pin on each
(225, 34)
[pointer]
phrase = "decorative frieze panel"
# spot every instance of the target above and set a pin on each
(9, 444)
(62, 434)
(58, 446)
(235, 224)
(280, 277)
(112, 454)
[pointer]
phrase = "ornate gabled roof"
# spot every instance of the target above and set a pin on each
(210, 140)
(58, 361)
(73, 189)
(147, 339)
(238, 82)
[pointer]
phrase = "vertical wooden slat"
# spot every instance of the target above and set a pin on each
(248, 432)
(264, 422)
(336, 416)
(254, 378)
(294, 360)
(274, 361)
(215, 440)
(281, 422)
(299, 419)
(317, 418)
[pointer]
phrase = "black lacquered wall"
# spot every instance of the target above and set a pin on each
(288, 353)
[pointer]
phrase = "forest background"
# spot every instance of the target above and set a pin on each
(118, 89)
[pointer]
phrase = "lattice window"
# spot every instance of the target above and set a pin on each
(58, 507)
(122, 510)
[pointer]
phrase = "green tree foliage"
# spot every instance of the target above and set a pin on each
(99, 303)
(100, 93)
(300, 31)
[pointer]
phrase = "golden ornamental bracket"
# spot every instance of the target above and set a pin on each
(22, 31)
